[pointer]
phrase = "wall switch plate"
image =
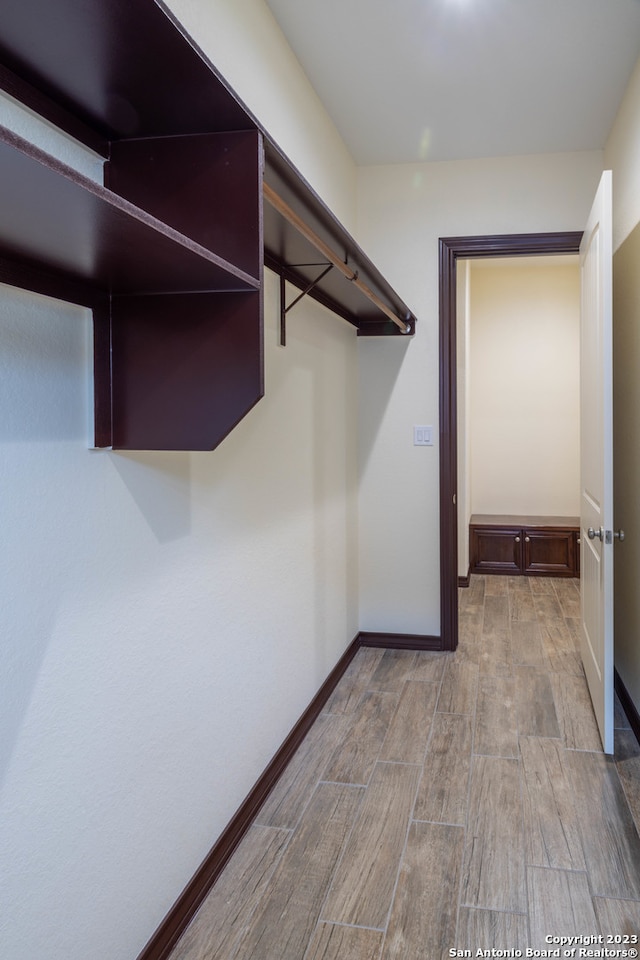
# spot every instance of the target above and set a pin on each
(422, 436)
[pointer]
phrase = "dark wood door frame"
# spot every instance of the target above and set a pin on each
(453, 249)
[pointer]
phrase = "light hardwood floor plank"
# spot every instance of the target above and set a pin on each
(536, 709)
(547, 606)
(355, 756)
(444, 787)
(559, 903)
(491, 930)
(551, 824)
(576, 719)
(495, 652)
(225, 913)
(288, 799)
(393, 670)
(423, 919)
(609, 838)
(521, 605)
(364, 882)
(284, 921)
(496, 587)
(335, 942)
(468, 649)
(568, 598)
(475, 591)
(494, 874)
(414, 713)
(627, 756)
(459, 687)
(496, 613)
(429, 666)
(346, 696)
(496, 728)
(526, 644)
(618, 918)
(574, 625)
(559, 647)
(470, 622)
(541, 585)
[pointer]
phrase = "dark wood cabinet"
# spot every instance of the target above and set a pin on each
(525, 545)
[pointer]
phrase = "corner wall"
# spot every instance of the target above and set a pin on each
(167, 617)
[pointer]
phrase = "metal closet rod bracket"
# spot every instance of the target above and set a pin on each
(331, 256)
(284, 310)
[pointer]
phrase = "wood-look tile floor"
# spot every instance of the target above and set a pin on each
(443, 801)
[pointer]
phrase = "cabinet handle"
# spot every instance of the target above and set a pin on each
(517, 539)
(526, 539)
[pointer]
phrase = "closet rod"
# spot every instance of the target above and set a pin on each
(286, 211)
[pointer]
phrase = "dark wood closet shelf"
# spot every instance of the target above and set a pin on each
(54, 216)
(170, 252)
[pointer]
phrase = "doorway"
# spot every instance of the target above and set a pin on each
(453, 249)
(518, 399)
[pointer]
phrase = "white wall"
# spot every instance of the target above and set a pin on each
(525, 386)
(402, 213)
(166, 617)
(622, 156)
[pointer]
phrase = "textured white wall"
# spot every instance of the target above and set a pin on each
(166, 618)
(243, 40)
(402, 213)
(525, 387)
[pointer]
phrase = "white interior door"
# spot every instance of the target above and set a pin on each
(596, 416)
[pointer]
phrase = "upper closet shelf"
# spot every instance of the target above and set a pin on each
(112, 70)
(170, 252)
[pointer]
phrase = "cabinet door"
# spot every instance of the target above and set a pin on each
(550, 553)
(496, 550)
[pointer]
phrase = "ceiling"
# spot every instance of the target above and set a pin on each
(416, 80)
